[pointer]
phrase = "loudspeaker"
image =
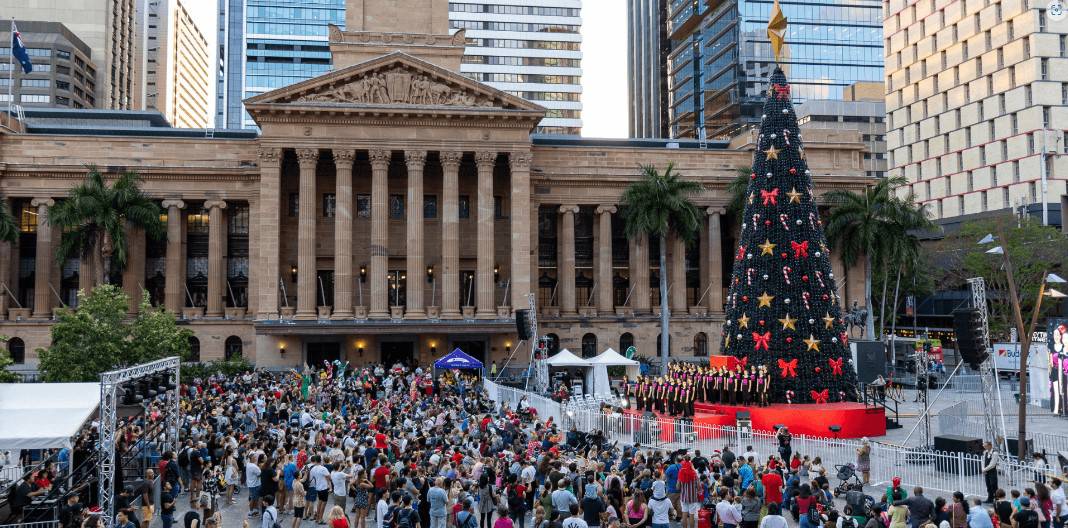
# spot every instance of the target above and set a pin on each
(870, 360)
(522, 323)
(1014, 446)
(968, 331)
(953, 444)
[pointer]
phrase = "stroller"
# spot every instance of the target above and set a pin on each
(847, 473)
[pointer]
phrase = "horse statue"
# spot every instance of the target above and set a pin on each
(857, 317)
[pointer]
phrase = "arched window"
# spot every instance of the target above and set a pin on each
(700, 344)
(554, 343)
(233, 347)
(17, 349)
(658, 347)
(625, 341)
(194, 349)
(589, 345)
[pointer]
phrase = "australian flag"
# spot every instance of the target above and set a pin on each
(19, 49)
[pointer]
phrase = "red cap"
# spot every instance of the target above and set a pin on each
(896, 481)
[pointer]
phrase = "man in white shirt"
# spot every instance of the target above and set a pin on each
(576, 520)
(1060, 505)
(320, 482)
(381, 509)
(252, 481)
(726, 512)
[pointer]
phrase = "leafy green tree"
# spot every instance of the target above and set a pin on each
(864, 225)
(1033, 248)
(7, 376)
(97, 337)
(95, 217)
(736, 193)
(9, 229)
(658, 205)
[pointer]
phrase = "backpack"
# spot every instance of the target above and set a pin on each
(849, 522)
(469, 522)
(814, 515)
(274, 521)
(404, 518)
(183, 457)
(390, 519)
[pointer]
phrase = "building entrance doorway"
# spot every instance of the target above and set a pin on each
(317, 353)
(475, 349)
(402, 352)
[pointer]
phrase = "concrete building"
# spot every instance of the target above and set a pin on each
(719, 59)
(862, 110)
(178, 71)
(977, 103)
(530, 49)
(647, 49)
(108, 27)
(391, 209)
(63, 71)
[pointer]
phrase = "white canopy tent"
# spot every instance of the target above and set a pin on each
(597, 377)
(566, 359)
(44, 415)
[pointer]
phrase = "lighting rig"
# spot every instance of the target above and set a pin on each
(133, 386)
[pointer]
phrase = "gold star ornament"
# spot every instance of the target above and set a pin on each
(772, 153)
(765, 300)
(827, 320)
(788, 323)
(777, 30)
(766, 248)
(743, 321)
(795, 197)
(813, 343)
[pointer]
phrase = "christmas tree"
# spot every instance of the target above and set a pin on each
(783, 310)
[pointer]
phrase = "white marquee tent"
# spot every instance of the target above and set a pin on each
(597, 377)
(565, 358)
(44, 415)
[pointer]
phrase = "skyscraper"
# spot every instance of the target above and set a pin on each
(63, 75)
(720, 59)
(531, 50)
(646, 61)
(976, 104)
(177, 69)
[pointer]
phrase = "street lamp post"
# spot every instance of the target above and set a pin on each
(1025, 333)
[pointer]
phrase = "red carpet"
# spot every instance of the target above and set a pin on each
(855, 419)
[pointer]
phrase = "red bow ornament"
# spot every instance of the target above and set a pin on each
(820, 397)
(836, 366)
(770, 196)
(789, 368)
(761, 340)
(782, 91)
(800, 249)
(741, 253)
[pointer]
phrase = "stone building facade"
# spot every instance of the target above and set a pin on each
(419, 198)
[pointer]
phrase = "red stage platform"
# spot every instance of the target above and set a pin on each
(856, 419)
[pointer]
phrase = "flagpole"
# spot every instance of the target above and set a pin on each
(11, 68)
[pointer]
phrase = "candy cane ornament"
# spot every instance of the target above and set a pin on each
(804, 298)
(819, 277)
(783, 217)
(812, 220)
(786, 273)
(749, 276)
(756, 218)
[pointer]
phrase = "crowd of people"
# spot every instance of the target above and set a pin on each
(687, 383)
(392, 447)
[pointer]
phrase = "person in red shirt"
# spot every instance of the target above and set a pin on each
(380, 476)
(381, 441)
(773, 484)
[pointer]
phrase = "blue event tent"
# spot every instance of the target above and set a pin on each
(457, 359)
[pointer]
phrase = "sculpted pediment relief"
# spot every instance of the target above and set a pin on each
(396, 86)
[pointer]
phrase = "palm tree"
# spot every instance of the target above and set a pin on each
(902, 253)
(658, 205)
(864, 225)
(95, 217)
(9, 229)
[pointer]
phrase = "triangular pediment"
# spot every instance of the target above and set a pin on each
(397, 80)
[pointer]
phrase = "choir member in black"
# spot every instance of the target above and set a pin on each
(717, 385)
(690, 401)
(743, 386)
(766, 386)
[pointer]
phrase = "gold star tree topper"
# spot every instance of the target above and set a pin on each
(777, 30)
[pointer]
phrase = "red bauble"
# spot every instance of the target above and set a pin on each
(784, 255)
(825, 297)
(745, 298)
(761, 322)
(804, 278)
(817, 369)
(767, 222)
(793, 170)
(752, 176)
(789, 340)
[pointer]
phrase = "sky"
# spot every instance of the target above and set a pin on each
(604, 62)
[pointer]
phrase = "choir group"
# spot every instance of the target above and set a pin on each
(687, 383)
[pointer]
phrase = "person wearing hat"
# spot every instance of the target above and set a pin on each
(660, 506)
(895, 492)
(1026, 516)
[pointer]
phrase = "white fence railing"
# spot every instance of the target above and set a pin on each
(502, 394)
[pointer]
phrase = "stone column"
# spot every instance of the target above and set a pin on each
(415, 261)
(519, 224)
(173, 289)
(677, 279)
(565, 261)
(379, 234)
(484, 286)
(450, 235)
(603, 278)
(639, 272)
(42, 279)
(713, 279)
(133, 275)
(306, 276)
(270, 210)
(216, 263)
(343, 277)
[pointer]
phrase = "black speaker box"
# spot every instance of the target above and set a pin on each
(871, 360)
(1014, 446)
(959, 444)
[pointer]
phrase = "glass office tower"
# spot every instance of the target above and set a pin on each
(721, 58)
